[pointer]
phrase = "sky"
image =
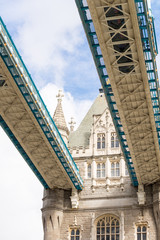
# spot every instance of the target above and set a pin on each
(50, 38)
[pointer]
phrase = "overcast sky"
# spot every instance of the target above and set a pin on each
(50, 38)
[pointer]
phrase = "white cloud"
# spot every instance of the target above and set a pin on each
(45, 32)
(21, 195)
(71, 107)
(51, 40)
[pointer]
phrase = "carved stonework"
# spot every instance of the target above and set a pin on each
(74, 198)
(141, 195)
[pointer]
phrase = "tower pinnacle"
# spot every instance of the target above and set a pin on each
(59, 118)
(60, 95)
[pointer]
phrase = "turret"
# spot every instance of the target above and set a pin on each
(59, 118)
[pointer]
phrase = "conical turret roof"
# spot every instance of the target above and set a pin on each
(58, 116)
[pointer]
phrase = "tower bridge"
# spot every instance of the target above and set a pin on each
(122, 39)
(27, 122)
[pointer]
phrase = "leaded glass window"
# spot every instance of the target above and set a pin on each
(117, 142)
(75, 234)
(98, 143)
(115, 169)
(101, 142)
(141, 232)
(89, 170)
(108, 228)
(114, 140)
(101, 170)
(98, 170)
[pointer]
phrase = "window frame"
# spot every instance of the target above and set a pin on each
(115, 168)
(141, 233)
(100, 170)
(101, 141)
(114, 141)
(104, 227)
(89, 170)
(75, 235)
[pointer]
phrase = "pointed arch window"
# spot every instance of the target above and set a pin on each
(142, 232)
(75, 234)
(108, 228)
(115, 169)
(89, 169)
(101, 170)
(101, 142)
(98, 170)
(114, 140)
(117, 142)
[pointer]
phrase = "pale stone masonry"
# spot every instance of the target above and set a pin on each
(109, 207)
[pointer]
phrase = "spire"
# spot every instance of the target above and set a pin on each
(59, 118)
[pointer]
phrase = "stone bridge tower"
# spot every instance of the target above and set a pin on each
(109, 207)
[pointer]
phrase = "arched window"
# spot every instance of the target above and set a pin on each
(108, 228)
(112, 170)
(75, 234)
(101, 143)
(101, 170)
(89, 171)
(98, 170)
(114, 140)
(117, 142)
(142, 232)
(115, 169)
(98, 142)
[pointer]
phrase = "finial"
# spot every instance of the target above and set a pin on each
(72, 123)
(60, 95)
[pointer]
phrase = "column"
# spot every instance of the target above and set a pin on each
(52, 213)
(108, 173)
(122, 225)
(94, 171)
(122, 172)
(122, 167)
(156, 206)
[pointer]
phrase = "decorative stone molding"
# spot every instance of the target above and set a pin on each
(141, 195)
(107, 184)
(74, 198)
(93, 185)
(92, 226)
(122, 226)
(122, 184)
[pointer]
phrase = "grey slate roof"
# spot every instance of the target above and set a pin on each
(80, 137)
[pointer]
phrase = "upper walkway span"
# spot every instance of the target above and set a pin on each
(25, 119)
(122, 39)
